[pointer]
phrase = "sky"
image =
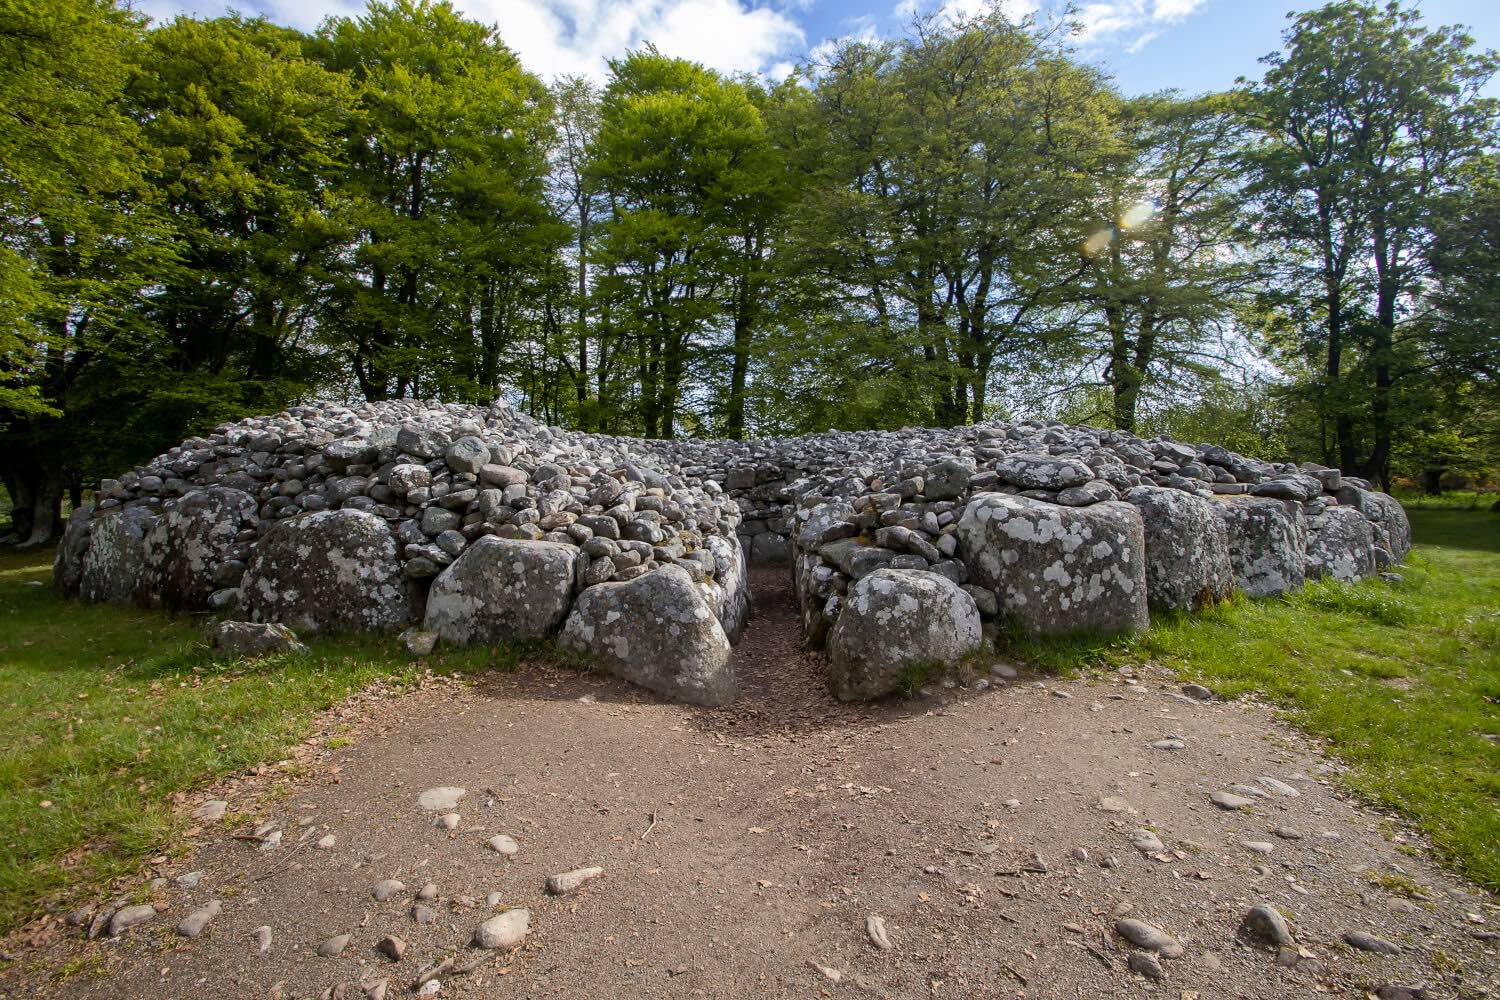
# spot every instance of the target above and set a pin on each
(1146, 45)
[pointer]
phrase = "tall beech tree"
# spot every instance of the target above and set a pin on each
(1368, 118)
(1167, 269)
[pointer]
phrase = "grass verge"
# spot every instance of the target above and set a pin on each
(1402, 681)
(108, 712)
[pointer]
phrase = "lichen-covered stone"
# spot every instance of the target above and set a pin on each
(895, 621)
(254, 638)
(1058, 570)
(1187, 550)
(656, 631)
(114, 564)
(67, 566)
(1043, 472)
(502, 589)
(1340, 544)
(1267, 544)
(732, 576)
(186, 543)
(332, 571)
(1391, 527)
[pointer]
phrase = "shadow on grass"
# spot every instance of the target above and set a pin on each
(1478, 530)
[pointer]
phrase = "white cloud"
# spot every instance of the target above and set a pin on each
(1109, 19)
(579, 36)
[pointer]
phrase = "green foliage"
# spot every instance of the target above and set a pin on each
(1369, 123)
(205, 218)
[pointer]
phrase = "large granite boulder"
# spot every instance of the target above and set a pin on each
(1058, 570)
(1392, 529)
(503, 589)
(332, 571)
(894, 621)
(1267, 544)
(656, 631)
(114, 564)
(1340, 544)
(67, 565)
(731, 574)
(188, 542)
(1187, 550)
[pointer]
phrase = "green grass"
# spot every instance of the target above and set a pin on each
(108, 712)
(1402, 681)
(1448, 500)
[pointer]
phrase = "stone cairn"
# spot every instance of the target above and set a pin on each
(909, 549)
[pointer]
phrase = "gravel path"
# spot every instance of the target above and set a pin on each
(975, 843)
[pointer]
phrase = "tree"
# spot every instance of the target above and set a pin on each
(80, 238)
(445, 189)
(1167, 269)
(949, 206)
(683, 156)
(247, 133)
(1367, 120)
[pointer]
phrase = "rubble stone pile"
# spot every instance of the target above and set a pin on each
(909, 548)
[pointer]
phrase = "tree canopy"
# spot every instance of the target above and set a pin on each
(203, 218)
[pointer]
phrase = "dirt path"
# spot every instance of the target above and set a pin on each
(744, 848)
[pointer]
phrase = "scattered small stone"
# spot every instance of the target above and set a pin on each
(1230, 801)
(189, 880)
(1393, 992)
(1197, 692)
(326, 842)
(1059, 693)
(1080, 854)
(334, 946)
(1365, 941)
(443, 798)
(195, 923)
(211, 811)
(386, 888)
(1279, 787)
(391, 947)
(1003, 670)
(376, 990)
(1288, 833)
(1110, 862)
(448, 821)
(1144, 935)
(271, 841)
(876, 932)
(1144, 963)
(262, 935)
(1264, 924)
(1146, 841)
(493, 899)
(127, 917)
(505, 931)
(424, 914)
(832, 975)
(428, 892)
(419, 642)
(565, 882)
(504, 844)
(1169, 744)
(431, 988)
(1258, 846)
(1114, 804)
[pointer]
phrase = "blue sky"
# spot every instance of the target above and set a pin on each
(1147, 45)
